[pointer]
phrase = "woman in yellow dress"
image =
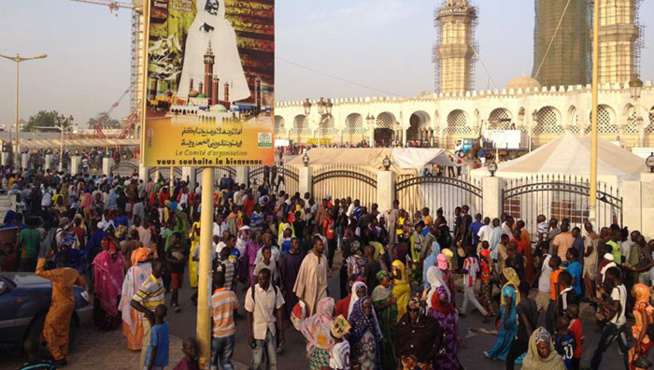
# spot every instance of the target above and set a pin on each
(401, 287)
(194, 237)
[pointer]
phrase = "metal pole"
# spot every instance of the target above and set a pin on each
(61, 151)
(204, 283)
(592, 204)
(16, 153)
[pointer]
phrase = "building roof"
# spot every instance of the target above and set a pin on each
(523, 82)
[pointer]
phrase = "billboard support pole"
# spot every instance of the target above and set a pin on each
(204, 283)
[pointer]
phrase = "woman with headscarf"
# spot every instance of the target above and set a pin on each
(344, 306)
(108, 275)
(355, 262)
(401, 287)
(136, 275)
(365, 336)
(509, 318)
(441, 307)
(430, 261)
(541, 354)
(194, 237)
(419, 337)
(316, 330)
(643, 317)
(386, 309)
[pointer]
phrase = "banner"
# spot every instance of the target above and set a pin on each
(209, 84)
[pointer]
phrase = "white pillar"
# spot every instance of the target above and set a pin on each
(107, 163)
(48, 162)
(189, 173)
(632, 200)
(242, 173)
(647, 206)
(143, 173)
(75, 161)
(306, 180)
(385, 189)
(492, 191)
(5, 158)
(24, 159)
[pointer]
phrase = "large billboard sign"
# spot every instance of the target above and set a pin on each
(209, 84)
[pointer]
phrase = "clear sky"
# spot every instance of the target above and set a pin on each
(384, 45)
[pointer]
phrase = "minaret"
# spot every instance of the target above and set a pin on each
(190, 85)
(208, 73)
(619, 34)
(454, 55)
(214, 90)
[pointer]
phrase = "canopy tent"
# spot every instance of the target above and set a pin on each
(570, 155)
(79, 143)
(404, 161)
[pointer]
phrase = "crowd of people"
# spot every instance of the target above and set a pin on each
(131, 242)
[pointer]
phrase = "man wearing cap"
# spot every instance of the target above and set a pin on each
(339, 356)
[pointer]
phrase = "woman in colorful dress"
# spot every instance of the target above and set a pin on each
(441, 307)
(509, 318)
(194, 237)
(643, 317)
(386, 309)
(316, 330)
(108, 275)
(419, 337)
(401, 287)
(365, 336)
(137, 274)
(344, 306)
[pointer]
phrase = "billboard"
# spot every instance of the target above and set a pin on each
(209, 83)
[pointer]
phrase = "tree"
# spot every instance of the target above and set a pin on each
(41, 119)
(105, 121)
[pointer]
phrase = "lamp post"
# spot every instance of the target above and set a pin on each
(307, 111)
(592, 204)
(370, 120)
(635, 89)
(18, 59)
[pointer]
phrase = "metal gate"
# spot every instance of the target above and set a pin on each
(218, 173)
(560, 197)
(344, 181)
(433, 192)
(164, 172)
(125, 168)
(278, 178)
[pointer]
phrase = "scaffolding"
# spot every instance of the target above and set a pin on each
(561, 42)
(136, 65)
(454, 55)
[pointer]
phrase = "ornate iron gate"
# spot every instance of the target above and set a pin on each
(433, 192)
(561, 197)
(279, 178)
(343, 181)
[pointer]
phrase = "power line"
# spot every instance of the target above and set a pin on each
(334, 77)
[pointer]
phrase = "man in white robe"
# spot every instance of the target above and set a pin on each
(311, 284)
(208, 26)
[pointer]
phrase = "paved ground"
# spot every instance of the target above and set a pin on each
(101, 350)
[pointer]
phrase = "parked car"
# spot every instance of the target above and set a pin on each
(24, 302)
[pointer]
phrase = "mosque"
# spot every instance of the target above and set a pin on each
(555, 100)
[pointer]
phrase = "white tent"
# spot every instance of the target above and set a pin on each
(570, 155)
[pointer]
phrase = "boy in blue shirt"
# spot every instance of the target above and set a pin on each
(157, 357)
(574, 268)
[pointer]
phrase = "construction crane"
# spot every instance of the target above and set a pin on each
(136, 6)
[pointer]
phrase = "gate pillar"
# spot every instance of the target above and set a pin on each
(647, 191)
(492, 189)
(242, 173)
(143, 173)
(75, 162)
(305, 180)
(24, 160)
(189, 173)
(385, 190)
(106, 166)
(632, 200)
(48, 162)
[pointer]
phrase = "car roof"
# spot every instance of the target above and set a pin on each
(25, 279)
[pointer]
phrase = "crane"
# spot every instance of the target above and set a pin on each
(137, 8)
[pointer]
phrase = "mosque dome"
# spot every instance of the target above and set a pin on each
(523, 82)
(193, 94)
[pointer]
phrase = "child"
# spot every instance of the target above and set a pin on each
(486, 288)
(157, 356)
(550, 315)
(223, 305)
(564, 341)
(339, 356)
(31, 348)
(572, 313)
(266, 262)
(176, 258)
(543, 277)
(568, 295)
(470, 271)
(190, 360)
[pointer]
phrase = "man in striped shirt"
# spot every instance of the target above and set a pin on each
(470, 271)
(223, 304)
(146, 300)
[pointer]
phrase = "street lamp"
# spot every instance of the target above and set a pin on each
(635, 87)
(386, 163)
(650, 162)
(322, 106)
(492, 168)
(305, 160)
(18, 59)
(329, 106)
(307, 107)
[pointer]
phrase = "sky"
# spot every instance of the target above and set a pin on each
(332, 49)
